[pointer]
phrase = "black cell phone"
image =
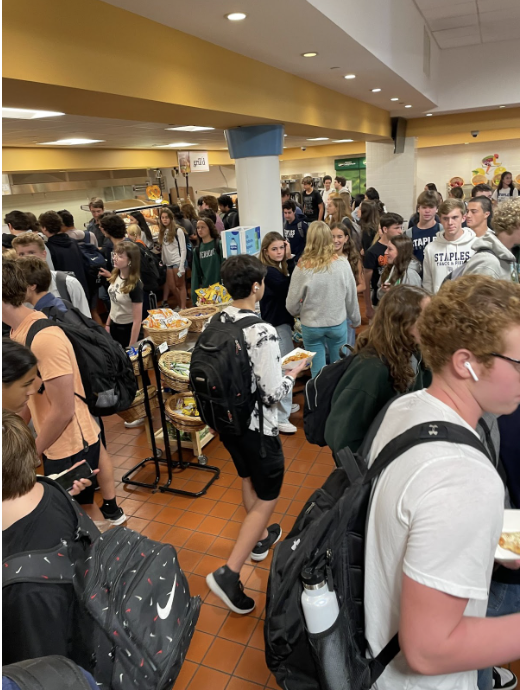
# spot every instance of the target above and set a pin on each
(67, 479)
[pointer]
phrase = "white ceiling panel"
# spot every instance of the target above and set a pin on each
(458, 41)
(453, 22)
(500, 31)
(485, 6)
(437, 10)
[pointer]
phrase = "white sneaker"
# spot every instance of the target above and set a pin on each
(294, 408)
(503, 678)
(287, 428)
(133, 425)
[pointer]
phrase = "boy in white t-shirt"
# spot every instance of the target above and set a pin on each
(437, 511)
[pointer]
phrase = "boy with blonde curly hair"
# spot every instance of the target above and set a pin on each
(437, 512)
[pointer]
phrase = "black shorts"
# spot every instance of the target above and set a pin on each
(266, 474)
(91, 455)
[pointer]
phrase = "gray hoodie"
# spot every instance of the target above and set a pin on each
(498, 263)
(441, 257)
(412, 276)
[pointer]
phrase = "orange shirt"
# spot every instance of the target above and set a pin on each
(56, 357)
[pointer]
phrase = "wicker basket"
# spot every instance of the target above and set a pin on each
(222, 305)
(147, 360)
(180, 421)
(138, 410)
(170, 378)
(198, 322)
(170, 336)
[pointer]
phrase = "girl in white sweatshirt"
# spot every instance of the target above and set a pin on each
(173, 255)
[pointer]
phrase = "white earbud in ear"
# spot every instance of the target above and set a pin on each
(471, 371)
(256, 288)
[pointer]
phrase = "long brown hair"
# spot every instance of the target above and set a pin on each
(369, 218)
(404, 246)
(189, 212)
(133, 253)
(266, 259)
(350, 251)
(341, 209)
(171, 231)
(319, 249)
(390, 337)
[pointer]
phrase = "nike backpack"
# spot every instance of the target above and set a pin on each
(329, 535)
(221, 378)
(135, 597)
(106, 371)
(319, 392)
(92, 257)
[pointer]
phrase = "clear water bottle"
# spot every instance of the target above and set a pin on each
(233, 247)
(319, 601)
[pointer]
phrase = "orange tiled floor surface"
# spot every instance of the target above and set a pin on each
(227, 650)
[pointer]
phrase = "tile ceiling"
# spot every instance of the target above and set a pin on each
(456, 23)
(120, 134)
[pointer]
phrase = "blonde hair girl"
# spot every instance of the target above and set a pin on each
(323, 292)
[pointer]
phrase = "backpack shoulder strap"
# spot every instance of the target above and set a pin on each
(419, 434)
(61, 284)
(38, 326)
(55, 672)
(53, 565)
(86, 238)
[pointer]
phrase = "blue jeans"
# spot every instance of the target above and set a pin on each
(315, 339)
(503, 600)
(351, 333)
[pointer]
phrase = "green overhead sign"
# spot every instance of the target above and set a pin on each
(349, 164)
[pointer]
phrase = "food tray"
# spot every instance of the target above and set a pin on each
(294, 364)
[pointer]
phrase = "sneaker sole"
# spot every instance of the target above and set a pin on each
(287, 433)
(262, 556)
(212, 584)
(117, 521)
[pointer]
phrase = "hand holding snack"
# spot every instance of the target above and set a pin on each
(301, 366)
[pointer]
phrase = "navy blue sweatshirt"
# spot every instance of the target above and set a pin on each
(296, 234)
(272, 304)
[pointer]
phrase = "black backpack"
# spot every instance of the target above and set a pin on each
(318, 398)
(56, 672)
(106, 371)
(220, 376)
(230, 220)
(459, 271)
(134, 595)
(150, 269)
(92, 257)
(329, 534)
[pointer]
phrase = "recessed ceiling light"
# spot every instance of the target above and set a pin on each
(318, 139)
(407, 106)
(25, 114)
(429, 114)
(501, 106)
(72, 142)
(342, 141)
(309, 54)
(375, 90)
(350, 76)
(285, 147)
(176, 145)
(190, 128)
(394, 99)
(236, 16)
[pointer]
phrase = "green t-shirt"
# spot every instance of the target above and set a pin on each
(207, 260)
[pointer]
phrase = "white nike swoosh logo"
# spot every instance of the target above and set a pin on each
(165, 612)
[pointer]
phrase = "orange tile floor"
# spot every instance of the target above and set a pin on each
(227, 650)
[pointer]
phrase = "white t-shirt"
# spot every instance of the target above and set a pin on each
(436, 516)
(504, 194)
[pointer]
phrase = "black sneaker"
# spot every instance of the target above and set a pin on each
(115, 518)
(274, 533)
(227, 586)
(504, 678)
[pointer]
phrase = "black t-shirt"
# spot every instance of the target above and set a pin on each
(366, 239)
(311, 204)
(39, 620)
(375, 261)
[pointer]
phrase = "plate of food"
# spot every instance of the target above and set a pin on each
(293, 359)
(508, 548)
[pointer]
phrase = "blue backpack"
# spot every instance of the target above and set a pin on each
(92, 257)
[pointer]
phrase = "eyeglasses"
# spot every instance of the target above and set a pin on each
(514, 362)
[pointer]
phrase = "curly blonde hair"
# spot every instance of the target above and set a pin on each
(319, 248)
(507, 217)
(390, 335)
(472, 313)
